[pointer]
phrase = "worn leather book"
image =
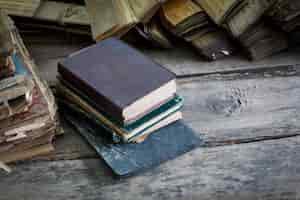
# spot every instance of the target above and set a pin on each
(262, 41)
(115, 18)
(246, 17)
(123, 83)
(212, 45)
(181, 16)
(219, 10)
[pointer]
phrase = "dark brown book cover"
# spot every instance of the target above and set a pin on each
(113, 75)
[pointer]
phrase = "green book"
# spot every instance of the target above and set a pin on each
(165, 114)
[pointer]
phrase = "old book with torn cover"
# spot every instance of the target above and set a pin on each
(115, 18)
(219, 10)
(18, 129)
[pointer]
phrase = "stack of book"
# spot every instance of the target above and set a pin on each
(28, 119)
(285, 14)
(119, 89)
(186, 19)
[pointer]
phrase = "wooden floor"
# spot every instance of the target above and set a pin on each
(247, 113)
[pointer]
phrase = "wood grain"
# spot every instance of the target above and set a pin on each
(231, 104)
(224, 110)
(265, 170)
(182, 60)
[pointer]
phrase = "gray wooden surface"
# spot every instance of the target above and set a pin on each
(247, 113)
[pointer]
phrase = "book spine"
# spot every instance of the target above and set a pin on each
(101, 103)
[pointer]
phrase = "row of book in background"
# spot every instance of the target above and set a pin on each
(214, 28)
(28, 120)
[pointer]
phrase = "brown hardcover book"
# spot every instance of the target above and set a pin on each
(125, 88)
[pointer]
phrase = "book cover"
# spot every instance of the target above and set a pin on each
(114, 75)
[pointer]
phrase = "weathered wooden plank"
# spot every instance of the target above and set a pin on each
(242, 108)
(227, 109)
(231, 107)
(181, 60)
(184, 61)
(265, 170)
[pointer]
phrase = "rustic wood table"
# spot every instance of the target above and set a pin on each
(248, 114)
